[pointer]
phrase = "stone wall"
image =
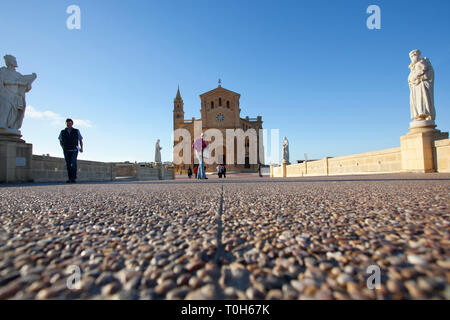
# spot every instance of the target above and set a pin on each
(381, 161)
(275, 171)
(158, 173)
(52, 169)
(442, 155)
(147, 173)
(126, 170)
(168, 174)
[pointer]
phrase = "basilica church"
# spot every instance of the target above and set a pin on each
(220, 109)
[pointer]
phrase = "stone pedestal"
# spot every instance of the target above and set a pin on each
(160, 171)
(283, 168)
(417, 146)
(15, 159)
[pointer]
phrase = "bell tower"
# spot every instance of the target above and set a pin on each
(178, 109)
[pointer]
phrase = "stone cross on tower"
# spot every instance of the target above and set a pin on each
(220, 82)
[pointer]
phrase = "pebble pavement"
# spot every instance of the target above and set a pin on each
(249, 238)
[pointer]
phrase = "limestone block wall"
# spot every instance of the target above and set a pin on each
(147, 173)
(276, 171)
(442, 155)
(381, 161)
(295, 170)
(168, 174)
(126, 169)
(52, 169)
(158, 173)
(311, 168)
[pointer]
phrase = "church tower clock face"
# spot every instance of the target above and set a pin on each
(220, 117)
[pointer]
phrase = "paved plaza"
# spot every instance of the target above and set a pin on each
(241, 238)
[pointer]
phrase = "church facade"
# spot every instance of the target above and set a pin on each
(220, 109)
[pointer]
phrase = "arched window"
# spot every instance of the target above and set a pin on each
(212, 104)
(220, 102)
(228, 104)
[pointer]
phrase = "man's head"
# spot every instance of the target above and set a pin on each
(69, 123)
(415, 55)
(10, 61)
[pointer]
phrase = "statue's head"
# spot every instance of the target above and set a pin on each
(415, 55)
(10, 61)
(157, 141)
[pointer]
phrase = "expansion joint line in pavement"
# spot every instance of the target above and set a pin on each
(219, 253)
(220, 248)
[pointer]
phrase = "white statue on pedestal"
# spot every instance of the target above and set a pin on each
(421, 84)
(13, 87)
(285, 150)
(157, 152)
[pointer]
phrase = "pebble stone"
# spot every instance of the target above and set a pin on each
(296, 238)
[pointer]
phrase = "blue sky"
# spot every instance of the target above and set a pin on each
(310, 68)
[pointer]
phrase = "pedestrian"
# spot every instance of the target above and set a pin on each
(190, 172)
(199, 146)
(259, 170)
(219, 171)
(71, 141)
(224, 171)
(195, 172)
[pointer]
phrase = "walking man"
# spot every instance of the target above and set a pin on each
(71, 141)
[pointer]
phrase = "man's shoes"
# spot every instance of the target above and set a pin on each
(69, 181)
(74, 181)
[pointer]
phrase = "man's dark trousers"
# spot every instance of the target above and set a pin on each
(71, 164)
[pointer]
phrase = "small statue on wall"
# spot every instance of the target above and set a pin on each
(157, 152)
(285, 150)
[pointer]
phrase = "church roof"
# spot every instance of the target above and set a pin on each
(219, 89)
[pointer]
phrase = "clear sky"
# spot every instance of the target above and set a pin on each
(310, 68)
